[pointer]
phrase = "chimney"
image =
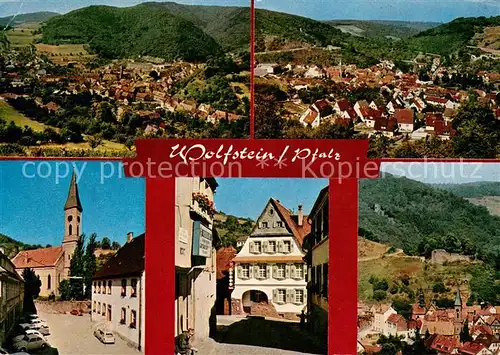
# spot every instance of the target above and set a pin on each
(130, 236)
(300, 216)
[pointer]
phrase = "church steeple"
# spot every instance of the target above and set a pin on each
(73, 200)
(72, 222)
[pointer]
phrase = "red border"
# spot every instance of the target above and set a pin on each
(252, 69)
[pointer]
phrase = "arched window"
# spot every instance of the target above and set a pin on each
(49, 283)
(70, 230)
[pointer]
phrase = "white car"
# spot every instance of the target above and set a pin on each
(27, 332)
(30, 342)
(104, 335)
(34, 324)
(5, 352)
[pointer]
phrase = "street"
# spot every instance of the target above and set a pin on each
(259, 336)
(74, 335)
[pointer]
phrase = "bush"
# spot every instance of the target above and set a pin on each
(439, 287)
(379, 295)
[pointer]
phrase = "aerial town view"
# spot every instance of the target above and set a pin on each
(429, 262)
(89, 80)
(424, 84)
(72, 255)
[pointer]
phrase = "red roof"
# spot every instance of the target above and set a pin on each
(37, 257)
(436, 99)
(471, 348)
(224, 258)
(443, 343)
(399, 320)
(430, 118)
(385, 124)
(311, 116)
(417, 310)
(404, 116)
(343, 104)
(321, 105)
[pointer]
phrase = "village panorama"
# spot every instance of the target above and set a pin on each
(414, 89)
(69, 87)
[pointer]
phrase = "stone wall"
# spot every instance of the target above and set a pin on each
(441, 256)
(62, 307)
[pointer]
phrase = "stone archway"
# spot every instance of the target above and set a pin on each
(256, 302)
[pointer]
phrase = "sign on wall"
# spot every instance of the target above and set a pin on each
(202, 240)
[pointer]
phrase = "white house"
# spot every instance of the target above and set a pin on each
(118, 293)
(270, 270)
(381, 314)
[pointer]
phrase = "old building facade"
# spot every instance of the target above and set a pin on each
(118, 293)
(11, 297)
(316, 245)
(270, 273)
(195, 256)
(52, 264)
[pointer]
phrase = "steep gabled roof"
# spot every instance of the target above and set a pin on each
(128, 261)
(299, 232)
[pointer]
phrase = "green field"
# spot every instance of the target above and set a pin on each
(22, 35)
(8, 113)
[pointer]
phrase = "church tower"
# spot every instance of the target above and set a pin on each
(458, 313)
(72, 223)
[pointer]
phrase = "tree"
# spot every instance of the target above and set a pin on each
(64, 290)
(90, 265)
(464, 334)
(105, 243)
(268, 121)
(478, 132)
(439, 287)
(379, 295)
(403, 307)
(94, 141)
(76, 269)
(115, 245)
(32, 286)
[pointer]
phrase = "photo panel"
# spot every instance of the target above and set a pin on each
(428, 259)
(87, 78)
(72, 254)
(412, 81)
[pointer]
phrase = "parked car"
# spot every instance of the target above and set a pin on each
(5, 352)
(33, 324)
(104, 335)
(30, 342)
(44, 329)
(76, 312)
(27, 332)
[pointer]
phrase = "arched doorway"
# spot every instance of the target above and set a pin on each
(252, 297)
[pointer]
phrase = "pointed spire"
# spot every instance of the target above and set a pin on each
(458, 300)
(73, 200)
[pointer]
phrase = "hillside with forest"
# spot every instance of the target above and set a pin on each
(11, 246)
(381, 29)
(276, 30)
(21, 19)
(472, 190)
(230, 228)
(228, 25)
(401, 221)
(417, 218)
(142, 30)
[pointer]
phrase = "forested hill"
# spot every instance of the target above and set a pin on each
(11, 246)
(453, 36)
(403, 213)
(26, 18)
(130, 32)
(228, 25)
(230, 228)
(275, 30)
(471, 190)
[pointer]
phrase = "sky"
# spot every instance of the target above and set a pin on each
(406, 10)
(32, 204)
(248, 197)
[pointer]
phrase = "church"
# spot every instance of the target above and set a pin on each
(52, 264)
